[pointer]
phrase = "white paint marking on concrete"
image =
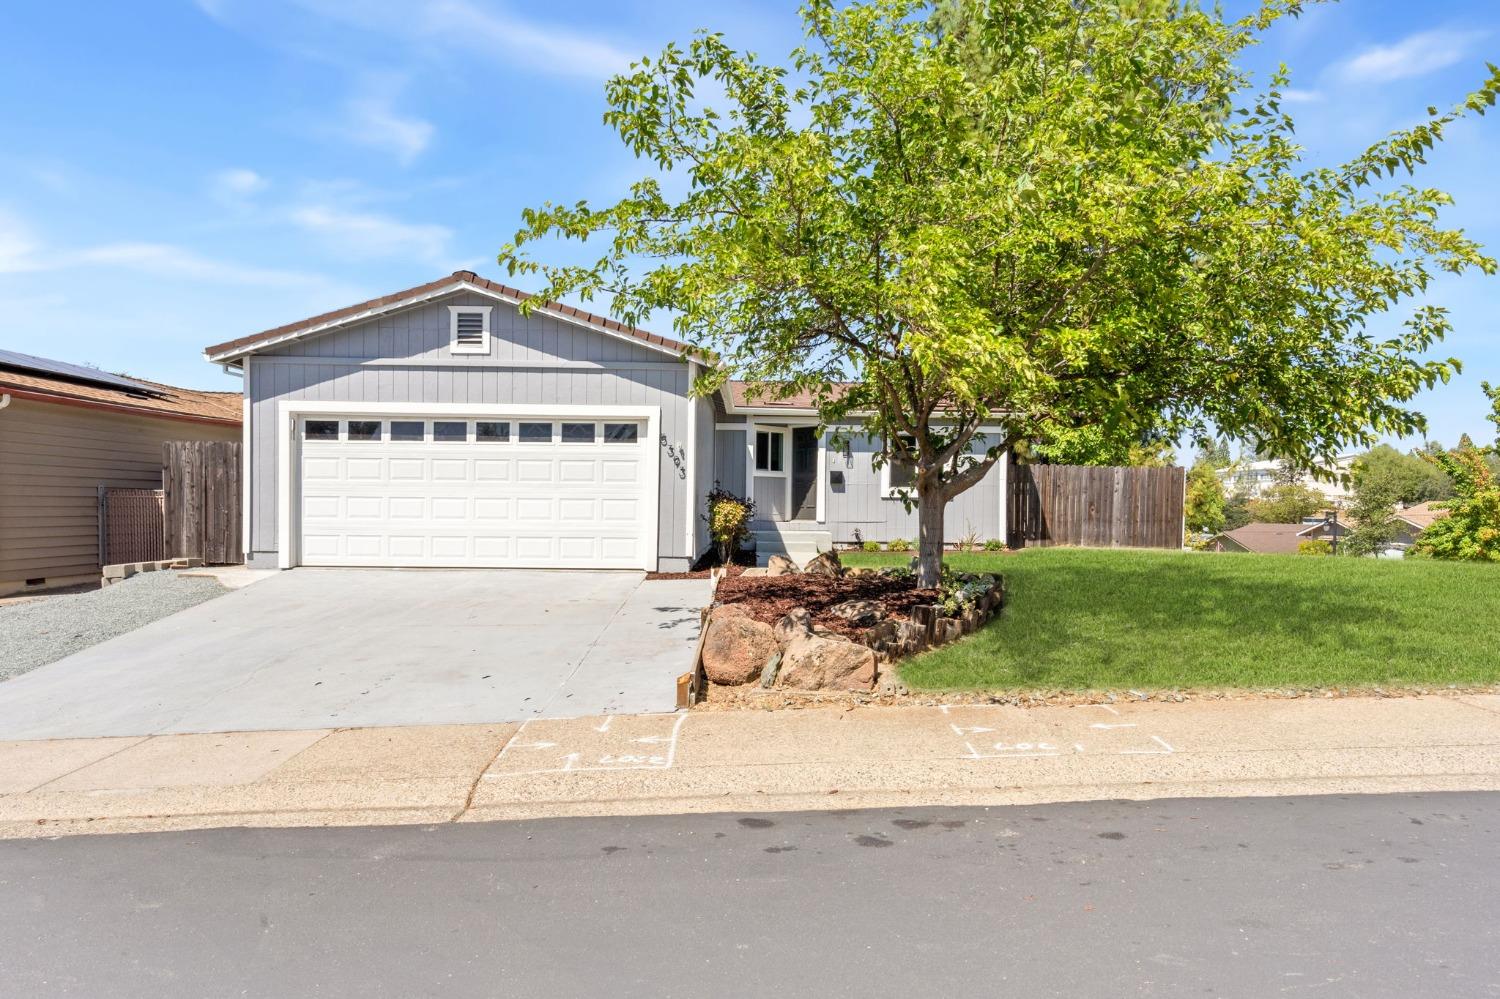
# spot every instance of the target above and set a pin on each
(1163, 743)
(652, 739)
(1108, 708)
(970, 730)
(605, 726)
(1077, 747)
(944, 708)
(610, 761)
(1114, 725)
(535, 745)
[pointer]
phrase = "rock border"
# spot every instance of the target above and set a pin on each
(795, 654)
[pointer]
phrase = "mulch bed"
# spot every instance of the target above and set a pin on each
(730, 571)
(768, 598)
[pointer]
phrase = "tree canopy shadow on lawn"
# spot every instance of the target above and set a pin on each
(1117, 619)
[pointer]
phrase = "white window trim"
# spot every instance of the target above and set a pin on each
(453, 313)
(893, 492)
(289, 450)
(784, 434)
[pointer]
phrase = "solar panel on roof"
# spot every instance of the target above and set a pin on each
(26, 362)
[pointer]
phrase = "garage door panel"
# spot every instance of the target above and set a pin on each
(475, 503)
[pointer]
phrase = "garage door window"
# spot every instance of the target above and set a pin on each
(448, 430)
(490, 432)
(364, 430)
(578, 433)
(407, 430)
(621, 433)
(536, 433)
(320, 430)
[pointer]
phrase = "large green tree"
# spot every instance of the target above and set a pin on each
(1047, 214)
(1407, 478)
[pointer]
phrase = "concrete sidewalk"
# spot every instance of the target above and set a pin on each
(750, 760)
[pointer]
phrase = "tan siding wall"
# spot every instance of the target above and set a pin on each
(52, 461)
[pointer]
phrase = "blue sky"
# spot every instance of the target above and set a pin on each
(173, 174)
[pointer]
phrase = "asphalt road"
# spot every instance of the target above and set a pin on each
(1394, 895)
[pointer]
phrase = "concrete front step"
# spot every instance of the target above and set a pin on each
(797, 545)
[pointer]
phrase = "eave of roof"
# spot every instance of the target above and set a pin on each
(232, 350)
(170, 402)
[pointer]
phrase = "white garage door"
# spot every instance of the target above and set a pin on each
(533, 492)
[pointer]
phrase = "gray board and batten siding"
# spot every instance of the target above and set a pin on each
(405, 357)
(859, 509)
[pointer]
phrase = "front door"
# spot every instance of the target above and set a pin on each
(804, 473)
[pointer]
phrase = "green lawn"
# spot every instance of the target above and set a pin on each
(1090, 619)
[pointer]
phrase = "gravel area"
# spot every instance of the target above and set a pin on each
(37, 632)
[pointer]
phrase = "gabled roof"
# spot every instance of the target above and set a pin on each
(1273, 539)
(455, 282)
(1421, 516)
(168, 401)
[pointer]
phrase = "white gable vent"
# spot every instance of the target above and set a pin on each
(469, 329)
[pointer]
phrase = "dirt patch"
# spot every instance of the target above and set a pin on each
(768, 598)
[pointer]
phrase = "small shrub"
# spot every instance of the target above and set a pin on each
(871, 546)
(994, 545)
(728, 521)
(898, 545)
(1315, 547)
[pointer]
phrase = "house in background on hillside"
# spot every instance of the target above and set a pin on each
(1277, 539)
(1255, 478)
(66, 433)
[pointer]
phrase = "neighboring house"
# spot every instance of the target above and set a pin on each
(1255, 478)
(1276, 539)
(65, 431)
(437, 426)
(1410, 523)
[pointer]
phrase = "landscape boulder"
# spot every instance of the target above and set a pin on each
(824, 564)
(860, 613)
(736, 648)
(780, 565)
(794, 624)
(813, 663)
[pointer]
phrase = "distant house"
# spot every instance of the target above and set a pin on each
(1255, 478)
(67, 430)
(1276, 539)
(1410, 523)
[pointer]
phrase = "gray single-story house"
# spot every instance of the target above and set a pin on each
(437, 426)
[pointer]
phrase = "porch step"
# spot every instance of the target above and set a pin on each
(798, 545)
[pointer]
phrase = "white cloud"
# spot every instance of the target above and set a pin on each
(373, 122)
(545, 47)
(1292, 95)
(21, 252)
(365, 234)
(237, 184)
(166, 260)
(1415, 55)
(17, 245)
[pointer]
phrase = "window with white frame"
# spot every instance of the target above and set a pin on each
(770, 452)
(469, 329)
(898, 476)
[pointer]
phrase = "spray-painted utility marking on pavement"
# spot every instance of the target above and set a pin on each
(1019, 734)
(638, 742)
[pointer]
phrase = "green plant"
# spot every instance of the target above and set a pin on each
(1284, 504)
(1471, 531)
(870, 546)
(994, 545)
(898, 545)
(1204, 513)
(728, 520)
(1070, 216)
(1317, 546)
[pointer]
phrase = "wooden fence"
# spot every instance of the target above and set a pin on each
(1095, 506)
(201, 485)
(130, 525)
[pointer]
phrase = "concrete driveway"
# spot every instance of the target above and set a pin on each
(349, 648)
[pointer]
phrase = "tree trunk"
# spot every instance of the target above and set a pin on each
(930, 532)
